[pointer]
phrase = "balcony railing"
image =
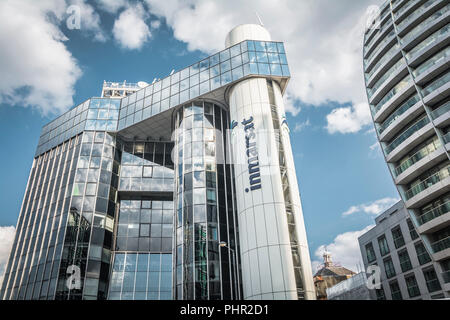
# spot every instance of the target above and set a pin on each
(441, 110)
(425, 43)
(427, 183)
(420, 28)
(380, 31)
(400, 63)
(441, 245)
(416, 13)
(446, 137)
(407, 133)
(441, 56)
(436, 84)
(434, 213)
(381, 45)
(399, 87)
(422, 153)
(388, 55)
(406, 6)
(401, 110)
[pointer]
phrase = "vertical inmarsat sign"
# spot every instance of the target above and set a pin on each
(252, 155)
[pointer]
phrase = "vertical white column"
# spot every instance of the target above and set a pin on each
(266, 257)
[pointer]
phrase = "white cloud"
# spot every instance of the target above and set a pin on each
(37, 70)
(344, 251)
(155, 24)
(130, 29)
(6, 241)
(323, 40)
(372, 208)
(90, 20)
(290, 104)
(301, 125)
(112, 6)
(375, 151)
(349, 119)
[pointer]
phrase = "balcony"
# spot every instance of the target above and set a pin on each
(409, 22)
(441, 110)
(410, 143)
(384, 63)
(434, 213)
(373, 44)
(371, 32)
(381, 48)
(418, 163)
(426, 27)
(432, 67)
(424, 47)
(400, 117)
(432, 187)
(437, 90)
(441, 116)
(441, 245)
(406, 134)
(446, 137)
(434, 219)
(397, 72)
(392, 99)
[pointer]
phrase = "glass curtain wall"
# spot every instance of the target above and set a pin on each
(205, 213)
(32, 269)
(87, 249)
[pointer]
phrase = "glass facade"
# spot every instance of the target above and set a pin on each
(221, 69)
(141, 276)
(205, 212)
(116, 210)
(33, 267)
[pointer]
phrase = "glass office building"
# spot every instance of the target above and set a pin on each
(406, 64)
(143, 194)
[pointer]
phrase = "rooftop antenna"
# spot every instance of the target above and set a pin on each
(154, 80)
(259, 19)
(171, 73)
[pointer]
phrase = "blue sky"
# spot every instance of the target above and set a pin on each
(339, 165)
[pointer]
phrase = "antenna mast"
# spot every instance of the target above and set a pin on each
(259, 19)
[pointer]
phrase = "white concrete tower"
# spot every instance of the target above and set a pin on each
(274, 250)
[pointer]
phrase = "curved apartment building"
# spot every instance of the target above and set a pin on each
(406, 66)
